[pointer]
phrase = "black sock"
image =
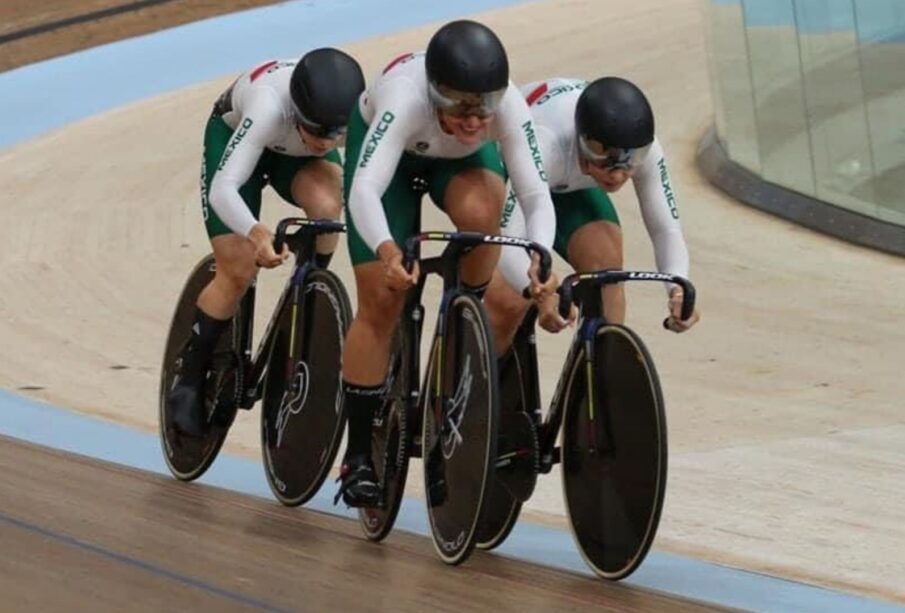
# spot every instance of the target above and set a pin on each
(361, 404)
(322, 259)
(477, 290)
(206, 332)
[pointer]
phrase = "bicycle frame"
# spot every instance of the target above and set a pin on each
(447, 266)
(583, 289)
(301, 243)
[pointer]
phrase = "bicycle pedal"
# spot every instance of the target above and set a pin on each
(547, 461)
(251, 396)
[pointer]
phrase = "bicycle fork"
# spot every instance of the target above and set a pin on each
(599, 432)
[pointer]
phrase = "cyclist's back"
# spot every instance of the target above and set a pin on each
(261, 96)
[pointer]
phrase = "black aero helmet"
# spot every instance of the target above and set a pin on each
(615, 113)
(325, 86)
(467, 56)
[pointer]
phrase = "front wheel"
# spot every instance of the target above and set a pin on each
(303, 413)
(614, 452)
(188, 457)
(459, 435)
(391, 442)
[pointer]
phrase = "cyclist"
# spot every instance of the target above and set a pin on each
(431, 122)
(593, 138)
(277, 124)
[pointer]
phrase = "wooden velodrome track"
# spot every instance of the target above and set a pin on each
(119, 539)
(784, 404)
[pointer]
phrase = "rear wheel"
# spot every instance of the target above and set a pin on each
(504, 502)
(188, 457)
(459, 435)
(614, 453)
(303, 413)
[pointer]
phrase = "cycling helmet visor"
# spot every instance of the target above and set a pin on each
(611, 158)
(465, 104)
(319, 130)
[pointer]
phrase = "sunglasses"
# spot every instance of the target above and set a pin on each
(465, 104)
(610, 158)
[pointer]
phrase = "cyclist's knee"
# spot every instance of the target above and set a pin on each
(332, 209)
(478, 218)
(324, 205)
(378, 306)
(474, 200)
(596, 246)
(236, 268)
(317, 188)
(601, 261)
(235, 279)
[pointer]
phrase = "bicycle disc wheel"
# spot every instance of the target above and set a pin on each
(614, 453)
(391, 440)
(188, 457)
(459, 432)
(303, 413)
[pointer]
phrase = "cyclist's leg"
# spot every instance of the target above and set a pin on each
(506, 309)
(236, 269)
(588, 235)
(365, 359)
(472, 190)
(215, 307)
(367, 347)
(219, 300)
(315, 185)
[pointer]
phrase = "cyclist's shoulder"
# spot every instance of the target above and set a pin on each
(403, 65)
(403, 75)
(264, 88)
(265, 107)
(401, 89)
(552, 91)
(270, 73)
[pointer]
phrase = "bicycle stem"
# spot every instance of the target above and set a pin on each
(302, 240)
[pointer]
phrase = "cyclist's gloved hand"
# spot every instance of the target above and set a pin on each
(548, 315)
(540, 291)
(395, 275)
(674, 322)
(262, 238)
